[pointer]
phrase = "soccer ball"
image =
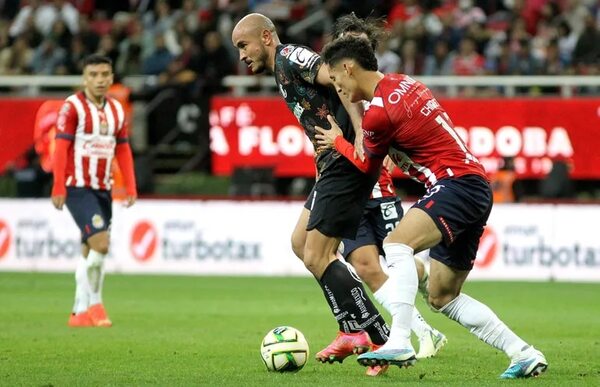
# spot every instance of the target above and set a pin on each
(284, 349)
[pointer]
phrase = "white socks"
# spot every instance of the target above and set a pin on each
(483, 323)
(398, 293)
(81, 287)
(419, 325)
(95, 275)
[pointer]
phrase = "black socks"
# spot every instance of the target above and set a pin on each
(350, 303)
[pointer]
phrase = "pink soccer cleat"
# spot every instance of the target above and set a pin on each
(344, 345)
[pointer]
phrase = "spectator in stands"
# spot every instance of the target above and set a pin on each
(567, 39)
(75, 55)
(468, 61)
(107, 47)
(66, 12)
(159, 60)
(574, 13)
(411, 62)
(35, 14)
(89, 38)
(61, 35)
(48, 58)
(586, 54)
(440, 61)
(521, 60)
(387, 60)
(213, 63)
(497, 56)
(15, 59)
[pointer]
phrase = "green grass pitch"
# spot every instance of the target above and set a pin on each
(182, 331)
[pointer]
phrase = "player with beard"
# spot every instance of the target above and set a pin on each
(335, 205)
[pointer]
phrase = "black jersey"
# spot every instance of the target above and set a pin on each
(296, 69)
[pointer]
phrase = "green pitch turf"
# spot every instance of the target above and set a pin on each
(182, 331)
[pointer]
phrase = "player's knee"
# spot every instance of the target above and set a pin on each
(99, 243)
(315, 261)
(367, 270)
(438, 301)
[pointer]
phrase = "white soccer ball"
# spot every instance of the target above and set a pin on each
(284, 349)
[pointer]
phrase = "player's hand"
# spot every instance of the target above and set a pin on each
(130, 200)
(58, 201)
(326, 137)
(389, 164)
(359, 150)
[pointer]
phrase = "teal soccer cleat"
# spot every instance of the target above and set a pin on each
(399, 357)
(530, 363)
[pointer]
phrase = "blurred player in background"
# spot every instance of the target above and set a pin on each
(381, 214)
(335, 205)
(405, 121)
(91, 130)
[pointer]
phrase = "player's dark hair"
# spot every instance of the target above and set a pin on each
(95, 59)
(350, 47)
(370, 26)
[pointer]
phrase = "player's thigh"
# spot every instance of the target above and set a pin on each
(417, 230)
(338, 200)
(456, 205)
(299, 234)
(445, 283)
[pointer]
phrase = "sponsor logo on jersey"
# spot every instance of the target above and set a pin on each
(4, 239)
(400, 91)
(303, 57)
(144, 239)
(287, 50)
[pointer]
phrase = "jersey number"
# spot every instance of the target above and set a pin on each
(443, 121)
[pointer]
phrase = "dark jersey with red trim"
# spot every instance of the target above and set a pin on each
(296, 69)
(405, 121)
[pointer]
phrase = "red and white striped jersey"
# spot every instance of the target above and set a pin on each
(405, 121)
(95, 132)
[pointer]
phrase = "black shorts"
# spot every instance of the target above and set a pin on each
(91, 209)
(338, 198)
(460, 207)
(380, 216)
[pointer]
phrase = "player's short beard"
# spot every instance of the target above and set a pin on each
(262, 60)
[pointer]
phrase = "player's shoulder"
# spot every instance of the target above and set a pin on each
(298, 55)
(115, 102)
(75, 98)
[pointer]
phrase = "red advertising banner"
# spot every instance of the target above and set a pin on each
(262, 132)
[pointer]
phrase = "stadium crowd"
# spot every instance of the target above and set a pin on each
(174, 39)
